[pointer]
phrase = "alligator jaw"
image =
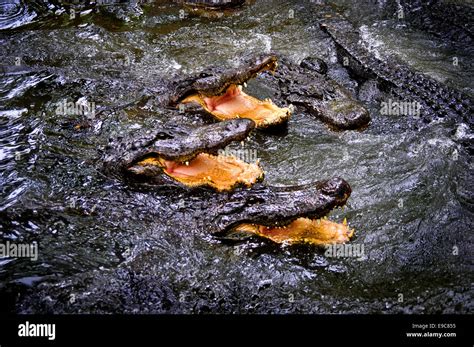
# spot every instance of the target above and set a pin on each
(222, 96)
(191, 160)
(220, 172)
(291, 215)
(317, 232)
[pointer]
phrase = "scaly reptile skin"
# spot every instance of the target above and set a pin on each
(436, 99)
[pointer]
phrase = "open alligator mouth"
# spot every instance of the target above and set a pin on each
(193, 161)
(222, 95)
(220, 172)
(290, 215)
(317, 232)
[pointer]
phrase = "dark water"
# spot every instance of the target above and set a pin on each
(104, 247)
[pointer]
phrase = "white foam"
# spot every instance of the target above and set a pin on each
(370, 41)
(463, 132)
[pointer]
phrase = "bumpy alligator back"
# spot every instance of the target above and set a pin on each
(435, 99)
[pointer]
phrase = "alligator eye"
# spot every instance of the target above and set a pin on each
(163, 136)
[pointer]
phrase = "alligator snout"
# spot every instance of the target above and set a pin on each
(346, 114)
(239, 127)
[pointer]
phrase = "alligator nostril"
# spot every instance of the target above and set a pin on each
(336, 187)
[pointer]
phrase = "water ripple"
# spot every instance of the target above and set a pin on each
(14, 14)
(17, 141)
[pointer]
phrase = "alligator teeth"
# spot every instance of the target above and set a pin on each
(272, 71)
(344, 221)
(187, 163)
(240, 87)
(245, 84)
(242, 143)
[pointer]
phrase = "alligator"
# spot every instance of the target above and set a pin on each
(220, 93)
(435, 100)
(185, 157)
